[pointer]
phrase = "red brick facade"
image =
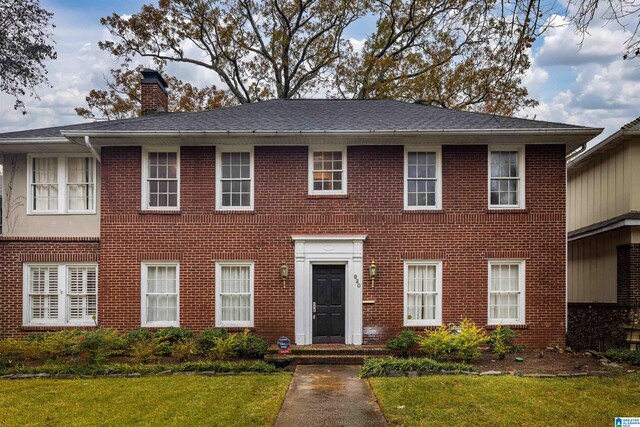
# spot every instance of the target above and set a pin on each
(464, 234)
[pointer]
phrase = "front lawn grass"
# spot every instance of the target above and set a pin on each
(161, 400)
(507, 401)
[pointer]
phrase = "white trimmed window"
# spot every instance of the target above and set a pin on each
(506, 292)
(64, 183)
(422, 293)
(60, 294)
(234, 179)
(234, 294)
(160, 294)
(161, 178)
(506, 178)
(328, 171)
(422, 178)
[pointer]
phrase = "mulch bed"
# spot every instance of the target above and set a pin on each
(548, 362)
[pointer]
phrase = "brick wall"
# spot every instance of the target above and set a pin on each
(629, 274)
(464, 234)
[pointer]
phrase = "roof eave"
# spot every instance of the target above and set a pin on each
(602, 146)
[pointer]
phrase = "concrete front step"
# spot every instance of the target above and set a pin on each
(336, 350)
(318, 359)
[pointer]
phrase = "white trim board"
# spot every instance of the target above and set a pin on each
(329, 249)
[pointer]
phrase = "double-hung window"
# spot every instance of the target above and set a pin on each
(234, 179)
(327, 171)
(161, 178)
(422, 293)
(63, 183)
(506, 291)
(60, 294)
(422, 178)
(506, 178)
(160, 294)
(234, 294)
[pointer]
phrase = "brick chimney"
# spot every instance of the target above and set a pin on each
(153, 92)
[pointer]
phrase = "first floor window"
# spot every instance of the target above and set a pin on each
(160, 294)
(506, 292)
(422, 293)
(234, 294)
(59, 294)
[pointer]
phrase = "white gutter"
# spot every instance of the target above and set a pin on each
(87, 142)
(532, 131)
(35, 141)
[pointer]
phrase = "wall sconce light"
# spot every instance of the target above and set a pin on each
(373, 273)
(284, 274)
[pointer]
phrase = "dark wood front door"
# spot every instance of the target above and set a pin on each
(328, 300)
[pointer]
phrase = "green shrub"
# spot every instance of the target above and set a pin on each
(394, 365)
(137, 335)
(224, 348)
(468, 341)
(170, 336)
(502, 341)
(252, 345)
(145, 350)
(623, 355)
(99, 344)
(182, 350)
(59, 344)
(206, 339)
(403, 343)
(438, 343)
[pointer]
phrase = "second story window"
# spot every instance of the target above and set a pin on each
(161, 176)
(327, 171)
(234, 173)
(422, 182)
(506, 178)
(61, 184)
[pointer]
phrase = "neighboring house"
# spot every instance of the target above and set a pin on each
(604, 240)
(321, 220)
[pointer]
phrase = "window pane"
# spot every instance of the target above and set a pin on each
(422, 179)
(163, 180)
(235, 293)
(44, 181)
(422, 291)
(504, 292)
(327, 171)
(236, 179)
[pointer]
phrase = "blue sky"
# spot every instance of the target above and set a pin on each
(588, 86)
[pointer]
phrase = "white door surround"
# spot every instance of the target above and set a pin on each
(328, 249)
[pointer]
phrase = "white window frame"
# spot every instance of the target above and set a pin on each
(145, 176)
(218, 285)
(233, 149)
(63, 203)
(323, 149)
(143, 294)
(63, 316)
(521, 169)
(522, 289)
(423, 149)
(423, 322)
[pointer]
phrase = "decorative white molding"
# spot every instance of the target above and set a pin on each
(328, 249)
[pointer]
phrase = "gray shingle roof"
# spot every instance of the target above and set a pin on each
(632, 125)
(305, 115)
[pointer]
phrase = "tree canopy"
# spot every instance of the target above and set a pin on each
(25, 45)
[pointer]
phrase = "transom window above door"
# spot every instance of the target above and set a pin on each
(234, 178)
(328, 171)
(423, 178)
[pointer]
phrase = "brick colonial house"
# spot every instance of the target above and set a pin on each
(321, 220)
(604, 242)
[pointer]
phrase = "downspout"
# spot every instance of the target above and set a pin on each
(87, 142)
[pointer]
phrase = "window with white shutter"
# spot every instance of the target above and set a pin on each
(234, 294)
(60, 294)
(160, 298)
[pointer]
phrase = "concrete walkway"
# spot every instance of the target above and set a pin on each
(329, 395)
